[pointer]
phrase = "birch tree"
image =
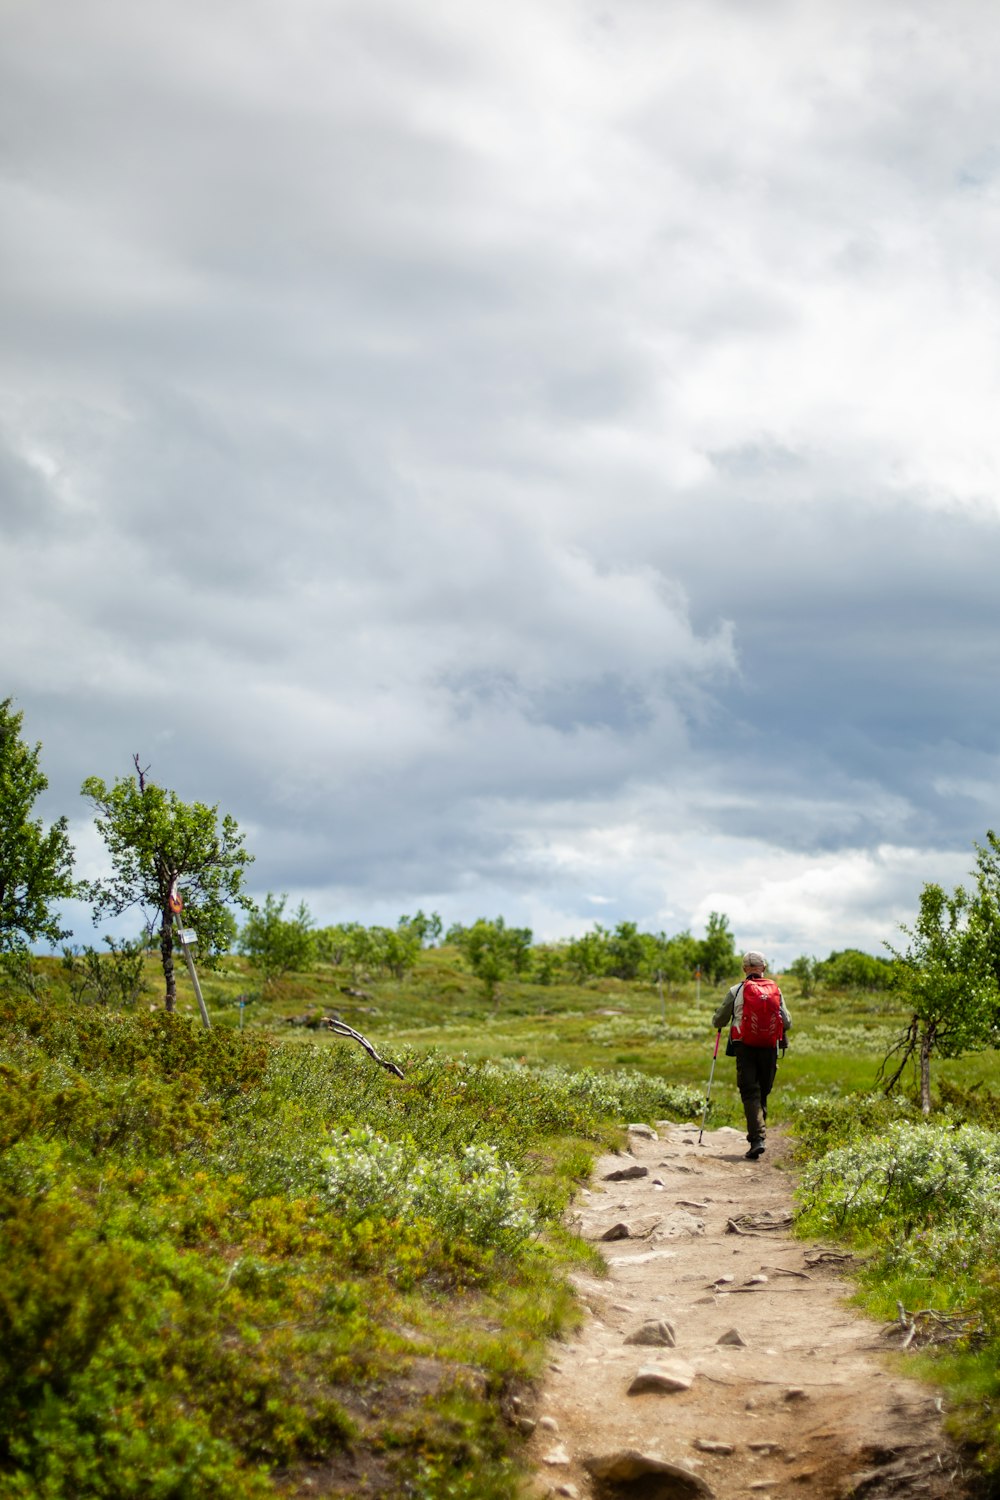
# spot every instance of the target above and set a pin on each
(946, 976)
(36, 863)
(164, 851)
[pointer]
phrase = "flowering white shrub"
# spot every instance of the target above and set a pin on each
(685, 1026)
(477, 1195)
(622, 1094)
(820, 1036)
(931, 1188)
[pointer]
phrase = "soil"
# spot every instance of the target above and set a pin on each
(802, 1403)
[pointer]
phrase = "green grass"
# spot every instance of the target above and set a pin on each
(233, 1263)
(238, 1261)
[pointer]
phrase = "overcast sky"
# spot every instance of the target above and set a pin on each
(538, 458)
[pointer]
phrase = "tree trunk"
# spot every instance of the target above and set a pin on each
(926, 1043)
(167, 957)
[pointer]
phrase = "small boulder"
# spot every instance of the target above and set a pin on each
(644, 1132)
(732, 1336)
(665, 1378)
(629, 1466)
(626, 1174)
(654, 1331)
(557, 1457)
(635, 1229)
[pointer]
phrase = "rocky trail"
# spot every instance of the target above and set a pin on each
(720, 1357)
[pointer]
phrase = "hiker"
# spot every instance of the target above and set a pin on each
(759, 1023)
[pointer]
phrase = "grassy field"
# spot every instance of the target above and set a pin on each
(250, 1262)
(837, 1041)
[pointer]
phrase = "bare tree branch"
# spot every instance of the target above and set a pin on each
(907, 1044)
(342, 1029)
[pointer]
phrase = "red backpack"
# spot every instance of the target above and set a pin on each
(760, 1023)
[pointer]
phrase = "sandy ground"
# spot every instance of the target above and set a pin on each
(800, 1402)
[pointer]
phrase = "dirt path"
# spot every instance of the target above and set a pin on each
(780, 1388)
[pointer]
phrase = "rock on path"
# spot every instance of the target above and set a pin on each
(766, 1382)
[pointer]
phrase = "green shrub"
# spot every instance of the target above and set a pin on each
(912, 1180)
(477, 1197)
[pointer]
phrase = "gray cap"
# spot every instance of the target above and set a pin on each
(754, 960)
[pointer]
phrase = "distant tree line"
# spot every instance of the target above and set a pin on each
(183, 863)
(494, 951)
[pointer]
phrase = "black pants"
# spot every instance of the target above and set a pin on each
(755, 1071)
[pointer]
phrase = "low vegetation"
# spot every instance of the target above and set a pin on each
(232, 1266)
(242, 1259)
(916, 1200)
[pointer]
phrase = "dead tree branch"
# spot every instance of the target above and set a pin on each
(907, 1044)
(140, 771)
(341, 1028)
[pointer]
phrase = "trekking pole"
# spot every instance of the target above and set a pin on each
(708, 1092)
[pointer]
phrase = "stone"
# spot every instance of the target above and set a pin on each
(681, 1222)
(557, 1457)
(626, 1174)
(707, 1445)
(526, 1425)
(732, 1336)
(629, 1466)
(644, 1259)
(633, 1229)
(664, 1378)
(757, 1281)
(569, 1490)
(645, 1132)
(653, 1331)
(796, 1393)
(765, 1448)
(549, 1424)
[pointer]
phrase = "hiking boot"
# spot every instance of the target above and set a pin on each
(756, 1151)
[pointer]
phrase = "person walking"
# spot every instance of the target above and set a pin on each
(759, 1021)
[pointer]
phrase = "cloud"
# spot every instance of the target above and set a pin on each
(485, 450)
